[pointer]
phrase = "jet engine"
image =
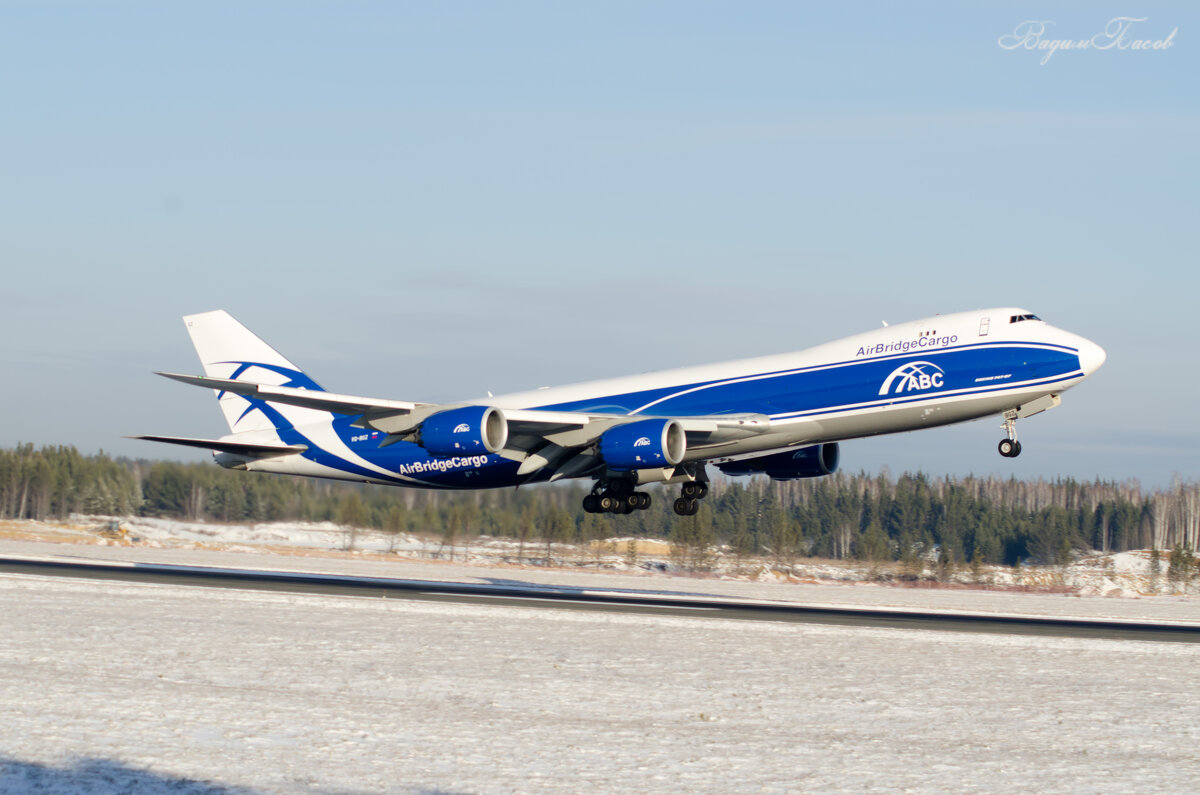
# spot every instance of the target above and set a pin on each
(471, 430)
(643, 444)
(807, 462)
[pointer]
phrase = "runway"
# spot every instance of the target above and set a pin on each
(512, 593)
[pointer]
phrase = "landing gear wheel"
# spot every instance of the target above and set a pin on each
(639, 500)
(685, 506)
(591, 503)
(1009, 448)
(694, 490)
(607, 503)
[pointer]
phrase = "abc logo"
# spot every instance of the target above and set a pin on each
(913, 377)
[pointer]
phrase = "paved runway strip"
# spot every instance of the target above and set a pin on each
(659, 603)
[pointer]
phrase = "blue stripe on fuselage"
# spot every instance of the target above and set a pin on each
(843, 384)
(819, 390)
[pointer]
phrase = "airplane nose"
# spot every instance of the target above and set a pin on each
(1091, 356)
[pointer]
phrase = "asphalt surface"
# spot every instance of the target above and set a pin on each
(625, 601)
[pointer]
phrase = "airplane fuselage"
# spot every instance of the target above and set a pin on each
(941, 370)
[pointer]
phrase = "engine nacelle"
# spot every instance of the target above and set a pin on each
(807, 462)
(643, 444)
(471, 430)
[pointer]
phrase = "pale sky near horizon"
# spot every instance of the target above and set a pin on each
(431, 200)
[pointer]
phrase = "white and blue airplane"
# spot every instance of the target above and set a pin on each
(782, 415)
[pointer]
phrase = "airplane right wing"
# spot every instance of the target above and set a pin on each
(304, 398)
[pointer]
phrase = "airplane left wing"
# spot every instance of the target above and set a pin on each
(394, 417)
(397, 418)
(536, 438)
(540, 438)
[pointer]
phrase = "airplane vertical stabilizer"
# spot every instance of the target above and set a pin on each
(227, 349)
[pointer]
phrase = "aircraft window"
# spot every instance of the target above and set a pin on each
(1019, 318)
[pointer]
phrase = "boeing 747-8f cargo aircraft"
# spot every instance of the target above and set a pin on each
(782, 415)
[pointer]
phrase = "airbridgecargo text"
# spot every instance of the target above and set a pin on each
(442, 465)
(904, 346)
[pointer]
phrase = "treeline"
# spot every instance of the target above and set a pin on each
(880, 518)
(54, 482)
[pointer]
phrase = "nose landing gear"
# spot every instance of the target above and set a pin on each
(1010, 447)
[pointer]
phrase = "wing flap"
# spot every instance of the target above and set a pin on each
(557, 449)
(724, 427)
(527, 428)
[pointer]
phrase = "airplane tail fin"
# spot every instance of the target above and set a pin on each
(227, 349)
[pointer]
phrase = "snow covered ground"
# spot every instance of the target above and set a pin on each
(110, 687)
(117, 688)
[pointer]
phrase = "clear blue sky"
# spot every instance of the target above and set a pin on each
(430, 200)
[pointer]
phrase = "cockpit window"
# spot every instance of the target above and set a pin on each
(1019, 318)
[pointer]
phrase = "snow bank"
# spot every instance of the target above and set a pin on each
(1126, 574)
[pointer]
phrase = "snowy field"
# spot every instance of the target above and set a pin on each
(120, 688)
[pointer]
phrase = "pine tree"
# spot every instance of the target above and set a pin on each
(1180, 566)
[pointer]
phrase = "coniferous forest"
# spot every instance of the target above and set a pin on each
(869, 517)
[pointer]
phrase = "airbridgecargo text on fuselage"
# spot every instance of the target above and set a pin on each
(904, 346)
(443, 465)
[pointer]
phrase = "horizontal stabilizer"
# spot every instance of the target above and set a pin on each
(251, 449)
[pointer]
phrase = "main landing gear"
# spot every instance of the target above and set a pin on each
(1010, 447)
(616, 496)
(690, 495)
